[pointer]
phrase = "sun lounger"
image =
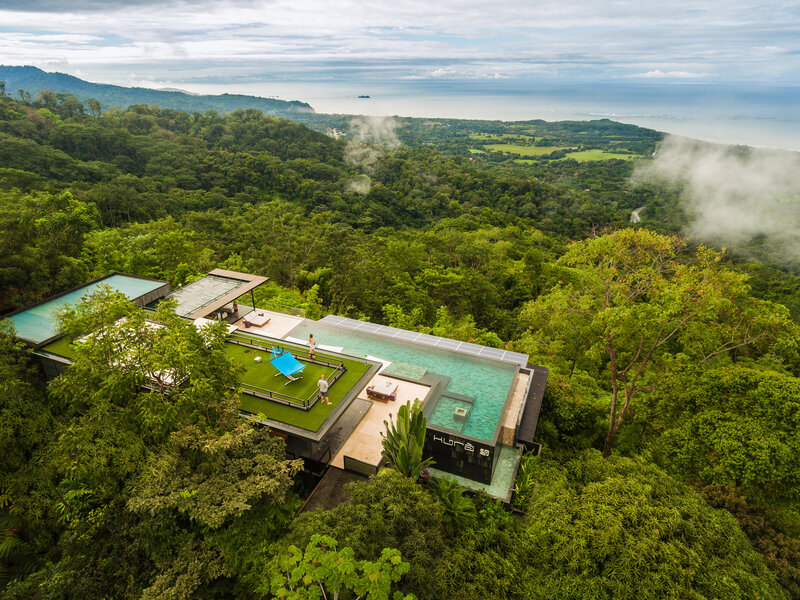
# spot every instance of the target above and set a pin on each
(287, 365)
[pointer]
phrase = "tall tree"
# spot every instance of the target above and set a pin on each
(635, 298)
(733, 425)
(26, 426)
(149, 462)
(94, 107)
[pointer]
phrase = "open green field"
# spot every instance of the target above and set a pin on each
(500, 136)
(476, 151)
(597, 155)
(523, 150)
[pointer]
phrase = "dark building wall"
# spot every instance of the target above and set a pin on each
(460, 455)
(53, 367)
(156, 294)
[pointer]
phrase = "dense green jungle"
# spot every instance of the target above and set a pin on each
(671, 460)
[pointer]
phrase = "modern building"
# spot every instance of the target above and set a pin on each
(482, 404)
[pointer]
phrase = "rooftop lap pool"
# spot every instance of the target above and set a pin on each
(485, 381)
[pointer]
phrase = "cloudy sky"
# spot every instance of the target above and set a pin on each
(219, 41)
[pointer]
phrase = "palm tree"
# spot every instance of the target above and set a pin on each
(403, 440)
(459, 510)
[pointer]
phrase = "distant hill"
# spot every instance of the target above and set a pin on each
(34, 80)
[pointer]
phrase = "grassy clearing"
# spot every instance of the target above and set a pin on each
(522, 150)
(597, 155)
(476, 151)
(500, 136)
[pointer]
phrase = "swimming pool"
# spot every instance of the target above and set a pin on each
(487, 381)
(38, 323)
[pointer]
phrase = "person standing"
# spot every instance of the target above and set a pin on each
(235, 309)
(311, 345)
(424, 476)
(323, 390)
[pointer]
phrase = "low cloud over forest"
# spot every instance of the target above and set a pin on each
(734, 194)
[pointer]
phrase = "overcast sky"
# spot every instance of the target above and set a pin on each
(127, 42)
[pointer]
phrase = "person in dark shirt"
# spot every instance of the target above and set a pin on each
(424, 475)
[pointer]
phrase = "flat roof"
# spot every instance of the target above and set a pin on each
(37, 324)
(220, 287)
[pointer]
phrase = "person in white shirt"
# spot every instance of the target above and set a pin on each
(323, 390)
(311, 345)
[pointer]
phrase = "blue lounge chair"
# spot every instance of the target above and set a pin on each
(287, 365)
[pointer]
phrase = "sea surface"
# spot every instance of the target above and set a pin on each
(756, 115)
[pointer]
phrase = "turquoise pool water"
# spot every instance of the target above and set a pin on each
(446, 415)
(487, 381)
(38, 323)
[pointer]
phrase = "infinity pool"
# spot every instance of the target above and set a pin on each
(39, 322)
(487, 381)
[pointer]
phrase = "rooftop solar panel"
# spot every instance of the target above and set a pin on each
(492, 352)
(517, 358)
(446, 343)
(407, 335)
(470, 348)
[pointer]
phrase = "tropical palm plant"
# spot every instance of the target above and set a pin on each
(459, 510)
(404, 439)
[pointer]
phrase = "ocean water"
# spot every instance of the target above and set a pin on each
(766, 116)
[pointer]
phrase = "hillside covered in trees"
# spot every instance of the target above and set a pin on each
(30, 81)
(671, 462)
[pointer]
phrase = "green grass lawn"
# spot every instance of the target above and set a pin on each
(476, 151)
(263, 375)
(523, 150)
(597, 155)
(61, 347)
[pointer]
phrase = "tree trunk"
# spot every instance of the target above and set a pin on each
(608, 447)
(612, 412)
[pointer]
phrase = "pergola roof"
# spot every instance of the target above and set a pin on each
(217, 289)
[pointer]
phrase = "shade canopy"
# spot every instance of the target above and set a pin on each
(214, 291)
